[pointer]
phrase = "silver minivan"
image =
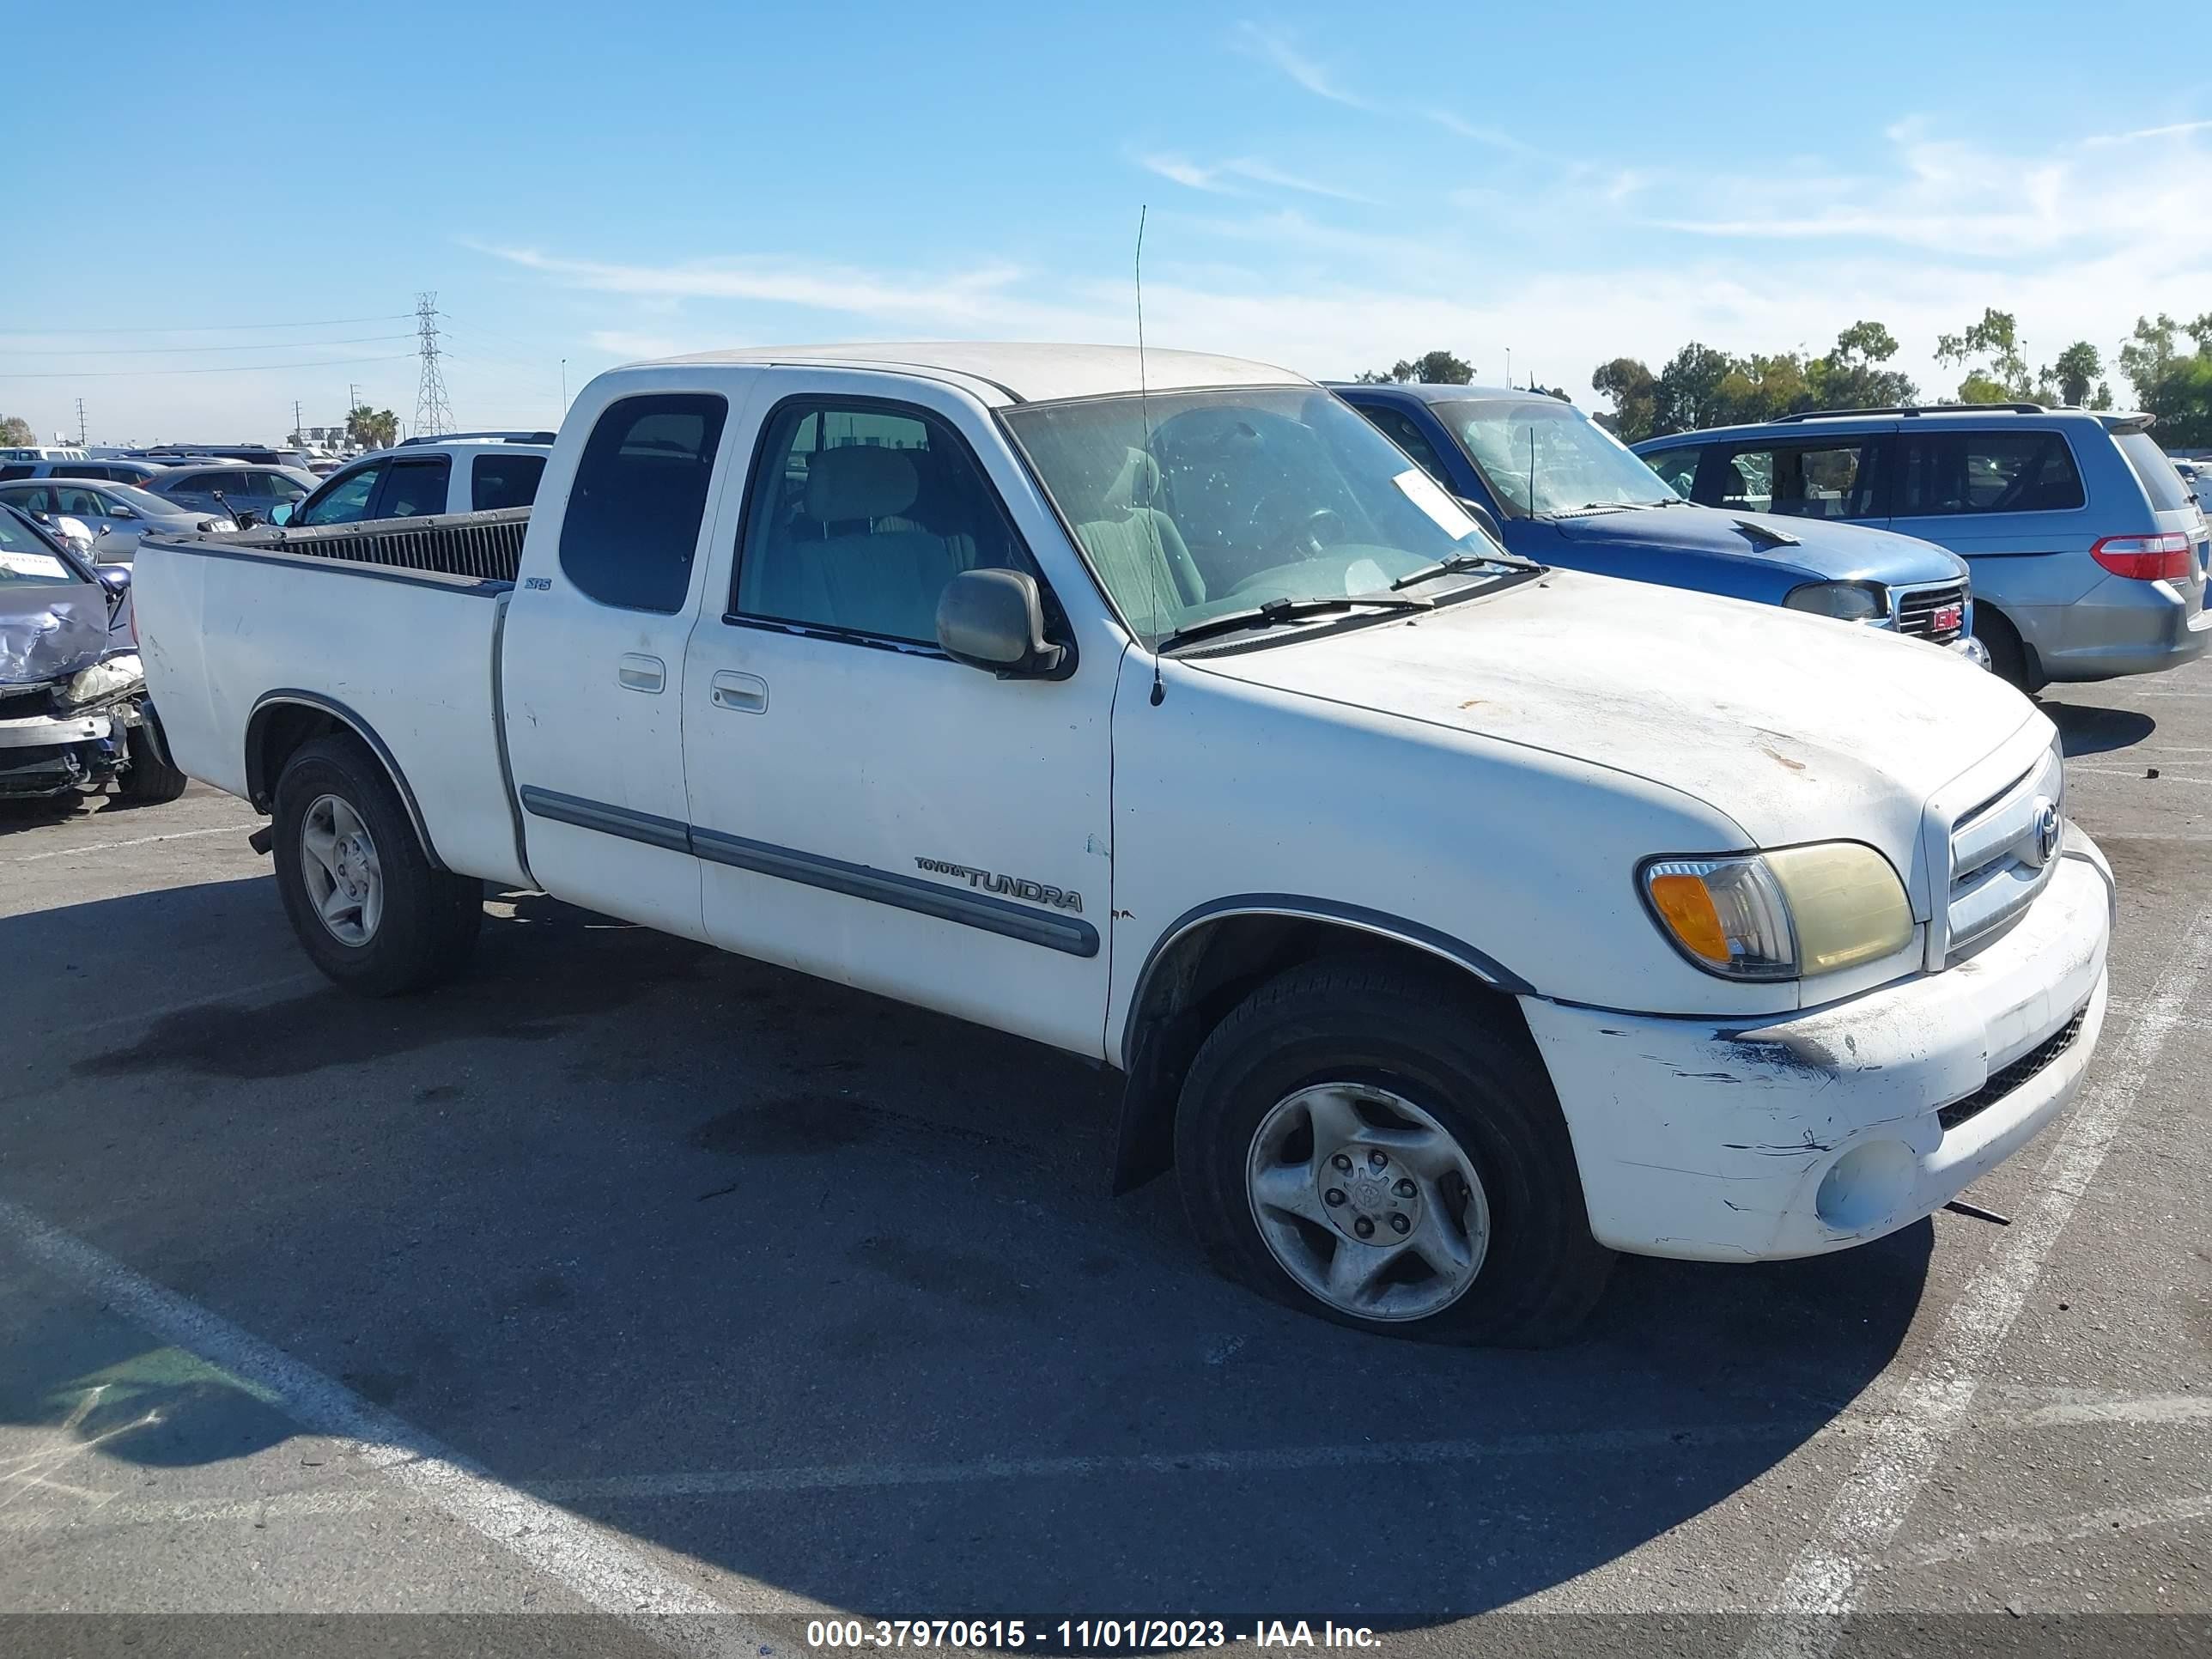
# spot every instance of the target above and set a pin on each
(2090, 554)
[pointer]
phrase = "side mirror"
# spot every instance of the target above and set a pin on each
(115, 578)
(119, 511)
(994, 620)
(1483, 516)
(280, 514)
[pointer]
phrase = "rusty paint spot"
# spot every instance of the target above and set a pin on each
(1781, 759)
(1476, 702)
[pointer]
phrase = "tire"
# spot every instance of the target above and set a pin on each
(1400, 1048)
(398, 925)
(2007, 656)
(149, 780)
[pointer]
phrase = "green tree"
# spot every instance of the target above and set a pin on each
(2005, 378)
(2148, 357)
(2076, 372)
(372, 428)
(1634, 391)
(1688, 394)
(1430, 369)
(16, 432)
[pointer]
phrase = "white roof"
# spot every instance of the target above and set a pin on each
(1025, 372)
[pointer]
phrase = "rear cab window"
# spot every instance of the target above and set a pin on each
(631, 529)
(1950, 472)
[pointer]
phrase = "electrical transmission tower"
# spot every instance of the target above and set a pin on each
(433, 414)
(80, 424)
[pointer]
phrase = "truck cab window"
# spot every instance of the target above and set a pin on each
(346, 501)
(500, 481)
(1400, 430)
(414, 490)
(632, 522)
(860, 516)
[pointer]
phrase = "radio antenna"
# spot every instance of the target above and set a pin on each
(1142, 466)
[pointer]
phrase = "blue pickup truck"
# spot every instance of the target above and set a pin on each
(1562, 490)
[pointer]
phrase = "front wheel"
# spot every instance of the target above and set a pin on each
(365, 900)
(1358, 1140)
(150, 778)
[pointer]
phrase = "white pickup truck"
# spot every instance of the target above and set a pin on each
(1456, 923)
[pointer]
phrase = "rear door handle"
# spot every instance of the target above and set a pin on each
(637, 672)
(746, 693)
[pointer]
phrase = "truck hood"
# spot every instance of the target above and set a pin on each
(1795, 727)
(1832, 552)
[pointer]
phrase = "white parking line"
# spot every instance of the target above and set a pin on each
(2065, 1529)
(240, 829)
(598, 1566)
(1804, 1617)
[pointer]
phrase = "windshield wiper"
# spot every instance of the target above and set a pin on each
(1275, 612)
(1459, 562)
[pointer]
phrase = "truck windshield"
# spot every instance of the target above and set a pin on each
(1193, 505)
(1542, 456)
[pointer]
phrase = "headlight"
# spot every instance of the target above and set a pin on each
(1792, 914)
(1846, 601)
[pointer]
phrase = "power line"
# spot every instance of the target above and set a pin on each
(227, 369)
(148, 351)
(210, 328)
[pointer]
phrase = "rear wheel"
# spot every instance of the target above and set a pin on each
(363, 898)
(1357, 1140)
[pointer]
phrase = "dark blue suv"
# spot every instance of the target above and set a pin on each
(1563, 491)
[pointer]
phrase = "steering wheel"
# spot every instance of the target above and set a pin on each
(1309, 538)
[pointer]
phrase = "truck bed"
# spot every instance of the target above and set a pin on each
(394, 626)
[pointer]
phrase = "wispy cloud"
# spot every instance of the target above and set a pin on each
(1220, 179)
(1970, 199)
(2171, 129)
(1494, 136)
(963, 298)
(1272, 48)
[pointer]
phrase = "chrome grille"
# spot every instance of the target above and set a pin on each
(1997, 866)
(1918, 608)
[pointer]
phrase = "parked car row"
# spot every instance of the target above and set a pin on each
(1456, 919)
(1557, 488)
(2089, 552)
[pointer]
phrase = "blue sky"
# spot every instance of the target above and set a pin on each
(1330, 188)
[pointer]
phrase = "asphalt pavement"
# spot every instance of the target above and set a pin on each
(629, 1296)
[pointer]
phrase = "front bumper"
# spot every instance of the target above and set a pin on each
(1819, 1130)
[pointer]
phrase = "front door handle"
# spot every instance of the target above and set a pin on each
(638, 672)
(746, 693)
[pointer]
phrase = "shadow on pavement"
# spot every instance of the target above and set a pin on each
(2087, 729)
(825, 1292)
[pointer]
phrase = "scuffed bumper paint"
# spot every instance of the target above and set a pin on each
(1711, 1141)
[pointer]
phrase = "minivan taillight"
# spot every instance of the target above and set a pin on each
(2145, 558)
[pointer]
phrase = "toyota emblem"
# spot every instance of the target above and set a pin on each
(2050, 828)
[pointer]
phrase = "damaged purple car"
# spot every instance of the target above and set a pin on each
(73, 711)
